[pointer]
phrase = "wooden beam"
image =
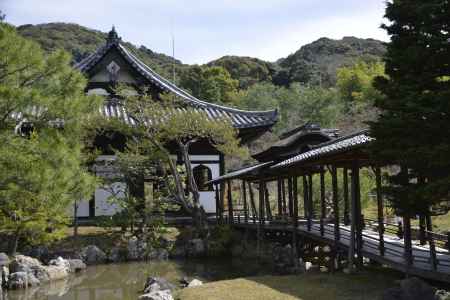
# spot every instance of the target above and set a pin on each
(322, 201)
(230, 204)
(380, 207)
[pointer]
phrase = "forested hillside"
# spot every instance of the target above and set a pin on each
(327, 81)
(317, 63)
(81, 41)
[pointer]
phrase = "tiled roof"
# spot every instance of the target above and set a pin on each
(241, 172)
(239, 118)
(332, 147)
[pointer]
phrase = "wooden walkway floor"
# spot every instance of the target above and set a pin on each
(393, 255)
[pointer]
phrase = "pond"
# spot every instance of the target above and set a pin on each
(126, 280)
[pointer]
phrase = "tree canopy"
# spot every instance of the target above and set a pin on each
(43, 116)
(413, 129)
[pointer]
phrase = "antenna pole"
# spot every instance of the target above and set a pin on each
(173, 54)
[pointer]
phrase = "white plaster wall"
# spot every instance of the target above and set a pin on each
(104, 207)
(82, 211)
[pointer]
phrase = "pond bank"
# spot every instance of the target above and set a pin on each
(127, 280)
(371, 284)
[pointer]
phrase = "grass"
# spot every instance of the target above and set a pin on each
(366, 285)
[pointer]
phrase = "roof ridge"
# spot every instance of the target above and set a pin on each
(342, 138)
(186, 94)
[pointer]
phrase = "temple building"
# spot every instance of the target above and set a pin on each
(114, 64)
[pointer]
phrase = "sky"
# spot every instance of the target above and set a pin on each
(204, 30)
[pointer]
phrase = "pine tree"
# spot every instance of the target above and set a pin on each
(413, 129)
(43, 118)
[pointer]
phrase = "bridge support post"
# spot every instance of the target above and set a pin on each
(244, 197)
(295, 221)
(407, 240)
(334, 182)
(380, 207)
(267, 202)
(216, 189)
(283, 189)
(431, 243)
(346, 198)
(252, 201)
(305, 200)
(261, 218)
(356, 193)
(230, 204)
(322, 201)
(279, 198)
(290, 197)
(310, 202)
(222, 201)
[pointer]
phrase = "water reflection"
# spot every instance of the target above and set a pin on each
(125, 281)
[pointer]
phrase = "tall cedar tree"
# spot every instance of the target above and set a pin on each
(413, 129)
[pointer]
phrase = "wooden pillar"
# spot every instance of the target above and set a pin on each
(422, 219)
(279, 197)
(422, 229)
(222, 201)
(295, 220)
(290, 199)
(252, 201)
(431, 242)
(230, 204)
(267, 202)
(295, 201)
(310, 202)
(407, 240)
(261, 202)
(380, 206)
(216, 189)
(305, 197)
(346, 198)
(244, 197)
(322, 201)
(283, 189)
(334, 183)
(356, 213)
(261, 224)
(353, 219)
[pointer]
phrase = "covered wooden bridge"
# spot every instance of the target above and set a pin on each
(336, 219)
